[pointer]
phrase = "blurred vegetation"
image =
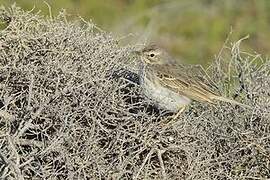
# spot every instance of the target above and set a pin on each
(193, 30)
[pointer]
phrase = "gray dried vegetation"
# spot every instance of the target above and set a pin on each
(69, 110)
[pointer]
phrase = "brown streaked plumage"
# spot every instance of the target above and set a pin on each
(173, 86)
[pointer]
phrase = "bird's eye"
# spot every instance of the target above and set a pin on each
(152, 55)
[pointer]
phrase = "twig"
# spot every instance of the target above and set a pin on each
(159, 153)
(144, 162)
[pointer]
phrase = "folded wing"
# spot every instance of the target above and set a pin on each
(189, 81)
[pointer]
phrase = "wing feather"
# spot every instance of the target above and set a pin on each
(185, 82)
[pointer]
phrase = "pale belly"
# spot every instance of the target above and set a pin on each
(164, 97)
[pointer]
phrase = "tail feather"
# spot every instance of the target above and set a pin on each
(220, 98)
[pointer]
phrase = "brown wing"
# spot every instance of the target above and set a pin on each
(189, 81)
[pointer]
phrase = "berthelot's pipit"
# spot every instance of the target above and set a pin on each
(173, 86)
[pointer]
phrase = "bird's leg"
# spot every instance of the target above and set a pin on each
(179, 112)
(168, 123)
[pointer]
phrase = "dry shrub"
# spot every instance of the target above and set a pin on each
(70, 108)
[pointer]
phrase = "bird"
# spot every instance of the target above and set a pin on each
(174, 86)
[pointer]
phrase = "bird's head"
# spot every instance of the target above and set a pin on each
(153, 55)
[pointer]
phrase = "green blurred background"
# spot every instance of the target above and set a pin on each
(193, 30)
